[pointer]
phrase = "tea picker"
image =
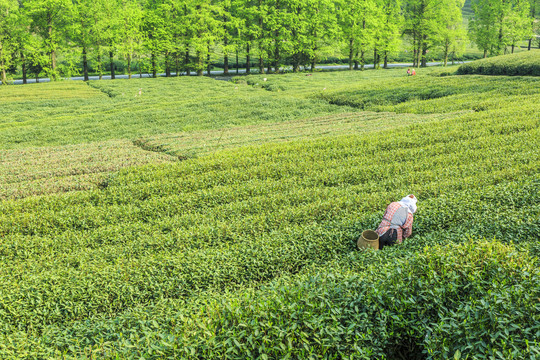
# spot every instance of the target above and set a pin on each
(395, 226)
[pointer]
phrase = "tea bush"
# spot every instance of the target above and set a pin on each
(525, 63)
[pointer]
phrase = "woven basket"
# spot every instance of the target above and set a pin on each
(368, 239)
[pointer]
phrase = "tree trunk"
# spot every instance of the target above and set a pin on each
(23, 66)
(208, 65)
(351, 53)
(237, 64)
(261, 65)
(276, 56)
(248, 59)
(315, 48)
(424, 51)
(356, 61)
(4, 75)
(296, 63)
(53, 64)
(53, 52)
(500, 38)
(100, 68)
(533, 17)
(186, 62)
(111, 62)
(375, 58)
(414, 49)
(154, 69)
(276, 43)
(129, 65)
(200, 65)
(85, 64)
(167, 64)
(225, 58)
(261, 60)
(513, 48)
(485, 53)
(446, 49)
(296, 56)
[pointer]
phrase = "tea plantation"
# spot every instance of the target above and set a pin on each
(203, 219)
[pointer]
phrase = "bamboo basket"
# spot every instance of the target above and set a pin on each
(368, 239)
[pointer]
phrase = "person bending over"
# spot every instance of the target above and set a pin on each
(397, 222)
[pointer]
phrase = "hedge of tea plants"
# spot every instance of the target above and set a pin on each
(427, 95)
(251, 252)
(56, 169)
(477, 299)
(81, 113)
(394, 91)
(525, 63)
(164, 236)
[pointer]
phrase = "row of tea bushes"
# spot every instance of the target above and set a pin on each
(144, 266)
(427, 95)
(52, 114)
(242, 218)
(478, 299)
(525, 63)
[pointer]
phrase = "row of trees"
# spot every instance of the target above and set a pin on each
(185, 35)
(500, 24)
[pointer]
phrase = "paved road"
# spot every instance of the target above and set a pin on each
(232, 72)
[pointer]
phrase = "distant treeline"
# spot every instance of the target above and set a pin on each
(189, 35)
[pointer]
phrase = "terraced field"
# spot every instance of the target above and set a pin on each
(218, 220)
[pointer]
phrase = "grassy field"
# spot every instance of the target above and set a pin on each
(209, 219)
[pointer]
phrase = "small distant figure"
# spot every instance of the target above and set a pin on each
(409, 72)
(309, 74)
(413, 72)
(397, 222)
